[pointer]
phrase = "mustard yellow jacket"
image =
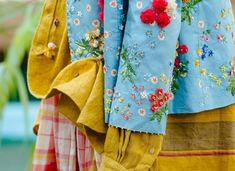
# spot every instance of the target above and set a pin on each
(50, 72)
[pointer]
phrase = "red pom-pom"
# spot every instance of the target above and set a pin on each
(159, 6)
(101, 16)
(101, 3)
(148, 16)
(163, 20)
(183, 49)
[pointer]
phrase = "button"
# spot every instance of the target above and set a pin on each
(152, 151)
(51, 46)
(56, 22)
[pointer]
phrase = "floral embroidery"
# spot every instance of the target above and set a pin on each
(231, 86)
(205, 52)
(91, 45)
(159, 13)
(131, 58)
(180, 68)
(159, 104)
(186, 10)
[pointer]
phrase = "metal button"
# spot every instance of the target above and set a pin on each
(56, 22)
(152, 151)
(51, 46)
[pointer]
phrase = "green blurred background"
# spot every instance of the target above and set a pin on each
(18, 20)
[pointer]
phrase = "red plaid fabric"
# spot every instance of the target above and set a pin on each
(60, 145)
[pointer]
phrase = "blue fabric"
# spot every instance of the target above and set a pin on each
(140, 59)
(199, 92)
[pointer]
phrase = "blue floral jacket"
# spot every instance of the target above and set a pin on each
(161, 56)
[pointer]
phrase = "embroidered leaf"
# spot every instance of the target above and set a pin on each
(159, 114)
(231, 86)
(187, 10)
(128, 72)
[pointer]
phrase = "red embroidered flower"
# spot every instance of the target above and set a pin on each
(160, 102)
(154, 108)
(183, 49)
(167, 96)
(159, 6)
(163, 20)
(159, 92)
(177, 62)
(153, 98)
(159, 99)
(148, 16)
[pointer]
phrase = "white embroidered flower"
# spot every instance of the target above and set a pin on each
(154, 79)
(161, 35)
(96, 32)
(113, 4)
(139, 4)
(114, 72)
(201, 24)
(172, 5)
(144, 95)
(96, 23)
(79, 13)
(141, 112)
(88, 8)
(109, 92)
(94, 43)
(106, 34)
(76, 22)
(87, 36)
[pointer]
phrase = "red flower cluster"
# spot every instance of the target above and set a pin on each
(101, 14)
(157, 13)
(159, 99)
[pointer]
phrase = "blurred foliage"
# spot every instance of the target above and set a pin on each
(11, 77)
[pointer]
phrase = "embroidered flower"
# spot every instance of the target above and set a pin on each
(177, 62)
(141, 112)
(148, 16)
(154, 79)
(139, 4)
(88, 7)
(109, 92)
(113, 4)
(114, 72)
(159, 103)
(159, 6)
(172, 5)
(144, 95)
(201, 24)
(76, 22)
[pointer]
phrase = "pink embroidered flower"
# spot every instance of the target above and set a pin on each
(220, 37)
(232, 72)
(148, 16)
(133, 96)
(163, 20)
(134, 87)
(159, 6)
(141, 88)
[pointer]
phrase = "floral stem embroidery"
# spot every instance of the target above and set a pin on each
(159, 104)
(231, 86)
(186, 10)
(129, 71)
(91, 45)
